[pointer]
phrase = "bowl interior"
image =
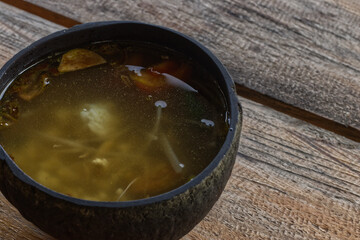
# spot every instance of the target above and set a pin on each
(128, 31)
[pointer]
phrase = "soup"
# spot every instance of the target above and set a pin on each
(113, 121)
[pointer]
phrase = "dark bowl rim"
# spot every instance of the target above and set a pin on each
(233, 107)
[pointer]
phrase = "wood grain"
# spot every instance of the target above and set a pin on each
(292, 110)
(301, 114)
(13, 226)
(302, 52)
(350, 5)
(19, 29)
(291, 180)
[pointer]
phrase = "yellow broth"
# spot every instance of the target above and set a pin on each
(141, 121)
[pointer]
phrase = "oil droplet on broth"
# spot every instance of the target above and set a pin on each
(127, 127)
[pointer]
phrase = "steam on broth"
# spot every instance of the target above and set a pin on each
(113, 121)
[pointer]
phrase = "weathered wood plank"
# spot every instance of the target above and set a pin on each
(302, 52)
(19, 29)
(13, 226)
(350, 5)
(297, 181)
(291, 180)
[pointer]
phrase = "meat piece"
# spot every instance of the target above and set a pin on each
(34, 88)
(79, 58)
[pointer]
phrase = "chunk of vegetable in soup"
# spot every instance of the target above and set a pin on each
(113, 121)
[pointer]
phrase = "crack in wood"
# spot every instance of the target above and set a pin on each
(319, 149)
(337, 189)
(314, 119)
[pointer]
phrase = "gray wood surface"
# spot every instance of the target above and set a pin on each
(19, 29)
(291, 180)
(303, 52)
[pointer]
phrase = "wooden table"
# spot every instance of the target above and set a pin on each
(297, 68)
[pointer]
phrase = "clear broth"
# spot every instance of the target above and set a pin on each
(98, 134)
